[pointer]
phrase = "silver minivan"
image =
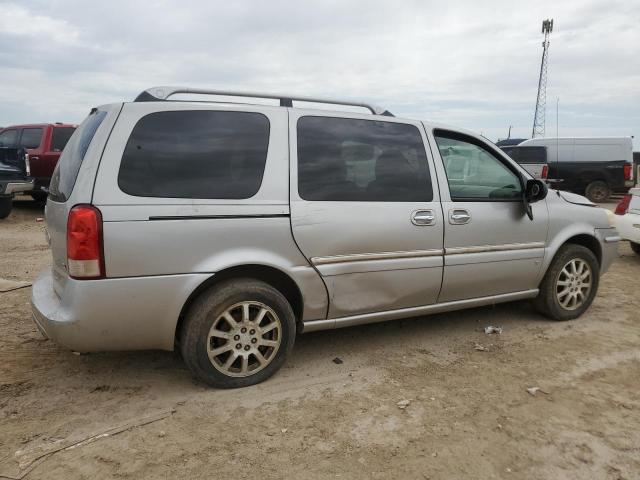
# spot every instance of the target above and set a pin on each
(225, 229)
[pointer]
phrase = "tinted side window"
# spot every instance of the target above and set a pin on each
(66, 172)
(60, 137)
(195, 154)
(361, 160)
(473, 171)
(513, 152)
(527, 154)
(31, 138)
(9, 138)
(533, 155)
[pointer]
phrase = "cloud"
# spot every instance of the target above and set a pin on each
(466, 63)
(16, 20)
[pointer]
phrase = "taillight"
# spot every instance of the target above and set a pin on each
(85, 255)
(628, 172)
(545, 172)
(623, 206)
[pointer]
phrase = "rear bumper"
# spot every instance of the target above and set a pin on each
(609, 239)
(138, 313)
(17, 186)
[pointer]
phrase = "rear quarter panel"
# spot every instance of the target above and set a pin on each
(56, 213)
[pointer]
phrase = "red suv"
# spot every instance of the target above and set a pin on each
(44, 142)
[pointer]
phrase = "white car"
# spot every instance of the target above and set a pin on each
(628, 218)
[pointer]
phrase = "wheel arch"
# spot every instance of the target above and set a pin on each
(275, 277)
(587, 241)
(579, 234)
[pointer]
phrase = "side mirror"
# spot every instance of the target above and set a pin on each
(535, 190)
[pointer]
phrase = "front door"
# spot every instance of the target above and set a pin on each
(365, 210)
(491, 245)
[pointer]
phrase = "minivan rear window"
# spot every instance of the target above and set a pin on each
(66, 172)
(195, 154)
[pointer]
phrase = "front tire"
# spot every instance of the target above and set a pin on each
(598, 191)
(570, 284)
(5, 206)
(238, 333)
(635, 247)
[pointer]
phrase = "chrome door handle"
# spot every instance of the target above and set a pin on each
(423, 217)
(459, 217)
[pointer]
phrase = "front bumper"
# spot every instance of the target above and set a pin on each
(18, 186)
(139, 313)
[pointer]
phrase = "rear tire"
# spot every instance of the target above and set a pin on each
(6, 203)
(238, 333)
(598, 191)
(635, 247)
(570, 284)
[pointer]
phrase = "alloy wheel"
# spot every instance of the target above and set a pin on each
(573, 284)
(244, 339)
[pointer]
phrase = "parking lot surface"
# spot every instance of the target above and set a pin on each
(432, 397)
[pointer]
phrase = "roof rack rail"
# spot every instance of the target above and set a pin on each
(155, 94)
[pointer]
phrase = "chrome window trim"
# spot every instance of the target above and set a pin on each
(494, 248)
(367, 257)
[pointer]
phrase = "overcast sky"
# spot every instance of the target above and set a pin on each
(467, 63)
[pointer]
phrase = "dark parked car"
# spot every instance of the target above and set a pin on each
(44, 143)
(14, 177)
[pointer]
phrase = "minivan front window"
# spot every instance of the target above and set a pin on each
(474, 172)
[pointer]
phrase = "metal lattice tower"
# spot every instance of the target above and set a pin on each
(541, 102)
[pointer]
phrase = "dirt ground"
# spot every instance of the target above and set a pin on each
(469, 413)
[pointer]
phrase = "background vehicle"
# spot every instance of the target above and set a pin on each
(226, 228)
(628, 218)
(14, 177)
(44, 143)
(594, 167)
(532, 159)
